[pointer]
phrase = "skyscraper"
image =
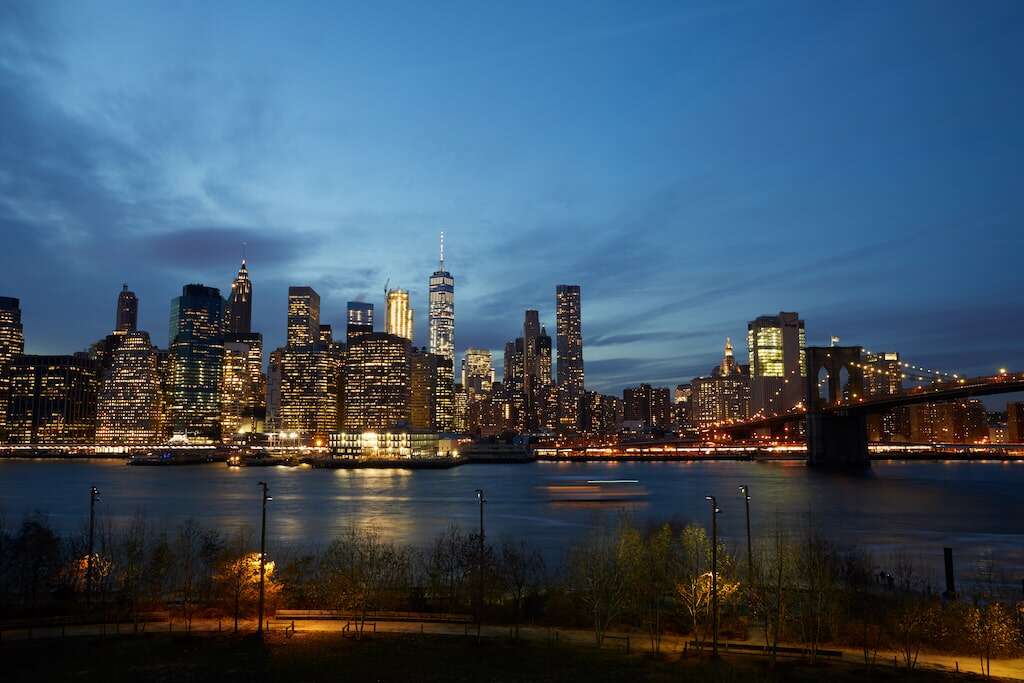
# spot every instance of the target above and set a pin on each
(431, 391)
(196, 362)
(359, 320)
(377, 383)
(12, 345)
(725, 395)
(442, 311)
(569, 338)
(303, 317)
(477, 373)
(128, 408)
(127, 319)
(399, 314)
(778, 366)
(52, 400)
(531, 353)
(239, 312)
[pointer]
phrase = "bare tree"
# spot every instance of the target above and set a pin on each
(238, 573)
(597, 577)
(520, 569)
(187, 555)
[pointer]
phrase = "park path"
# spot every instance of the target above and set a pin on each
(637, 642)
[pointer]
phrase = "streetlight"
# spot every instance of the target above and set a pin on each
(745, 490)
(263, 552)
(715, 511)
(94, 495)
(480, 579)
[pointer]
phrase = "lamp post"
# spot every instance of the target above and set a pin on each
(94, 495)
(480, 568)
(714, 574)
(745, 490)
(263, 552)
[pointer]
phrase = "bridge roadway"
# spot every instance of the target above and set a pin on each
(932, 393)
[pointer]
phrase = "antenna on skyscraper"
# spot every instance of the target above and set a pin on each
(442, 252)
(243, 252)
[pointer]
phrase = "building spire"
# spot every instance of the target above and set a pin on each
(243, 254)
(442, 252)
(728, 347)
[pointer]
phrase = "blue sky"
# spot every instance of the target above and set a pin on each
(691, 165)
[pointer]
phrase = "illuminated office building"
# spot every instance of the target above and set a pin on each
(460, 409)
(303, 317)
(359, 320)
(129, 408)
(127, 317)
(273, 421)
(569, 337)
(477, 373)
(600, 415)
(431, 391)
(647, 405)
(1015, 422)
(513, 362)
(399, 314)
(310, 381)
(52, 400)
(239, 310)
(236, 391)
(778, 366)
(883, 376)
(442, 311)
(196, 363)
(962, 421)
(377, 383)
(12, 345)
(723, 396)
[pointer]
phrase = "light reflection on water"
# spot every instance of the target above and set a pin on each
(898, 507)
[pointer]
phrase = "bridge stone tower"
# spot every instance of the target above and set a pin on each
(836, 435)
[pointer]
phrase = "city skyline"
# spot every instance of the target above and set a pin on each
(681, 215)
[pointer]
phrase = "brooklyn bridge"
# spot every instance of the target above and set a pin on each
(834, 407)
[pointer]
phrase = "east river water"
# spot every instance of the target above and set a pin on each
(909, 509)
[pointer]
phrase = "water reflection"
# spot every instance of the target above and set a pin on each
(898, 507)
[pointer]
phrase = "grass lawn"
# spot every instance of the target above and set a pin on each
(155, 658)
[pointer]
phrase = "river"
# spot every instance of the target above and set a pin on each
(911, 509)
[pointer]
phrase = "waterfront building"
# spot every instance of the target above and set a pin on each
(310, 382)
(647, 405)
(600, 414)
(196, 363)
(569, 337)
(477, 373)
(441, 312)
(359, 320)
(722, 396)
(239, 309)
(12, 345)
(52, 400)
(1015, 422)
(236, 391)
(129, 410)
(377, 383)
(431, 391)
(399, 314)
(778, 366)
(127, 316)
(962, 421)
(303, 317)
(392, 444)
(254, 407)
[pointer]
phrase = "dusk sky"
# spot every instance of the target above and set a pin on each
(690, 165)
